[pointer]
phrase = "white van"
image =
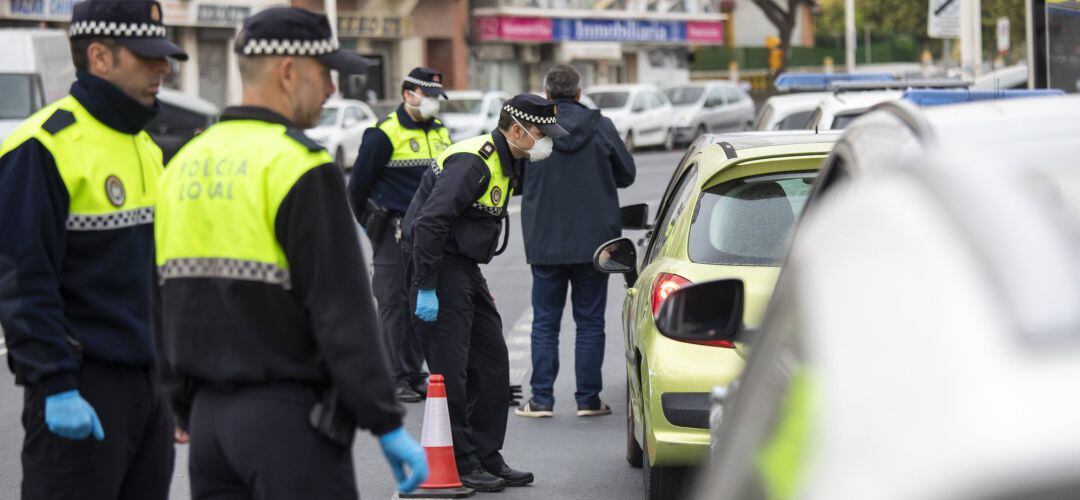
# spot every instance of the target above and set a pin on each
(36, 69)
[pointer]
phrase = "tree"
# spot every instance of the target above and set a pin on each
(784, 20)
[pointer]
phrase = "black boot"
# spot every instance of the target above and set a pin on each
(480, 480)
(513, 477)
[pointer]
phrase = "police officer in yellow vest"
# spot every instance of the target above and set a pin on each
(451, 227)
(393, 157)
(77, 189)
(270, 336)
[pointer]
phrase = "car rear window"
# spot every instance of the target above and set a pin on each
(609, 100)
(746, 222)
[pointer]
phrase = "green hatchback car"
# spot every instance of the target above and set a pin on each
(726, 213)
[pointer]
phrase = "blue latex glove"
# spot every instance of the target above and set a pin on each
(68, 415)
(400, 450)
(427, 305)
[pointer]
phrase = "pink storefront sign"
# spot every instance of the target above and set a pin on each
(711, 32)
(521, 29)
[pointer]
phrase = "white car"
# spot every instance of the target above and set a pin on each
(919, 343)
(714, 106)
(469, 113)
(641, 113)
(341, 128)
(789, 111)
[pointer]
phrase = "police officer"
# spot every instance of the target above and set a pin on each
(269, 333)
(393, 157)
(77, 190)
(452, 226)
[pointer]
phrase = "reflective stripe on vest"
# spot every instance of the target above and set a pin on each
(111, 177)
(219, 201)
(413, 147)
(498, 192)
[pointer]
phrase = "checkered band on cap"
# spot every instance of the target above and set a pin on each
(265, 47)
(423, 83)
(540, 120)
(115, 29)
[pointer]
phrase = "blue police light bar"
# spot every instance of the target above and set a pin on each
(924, 97)
(786, 82)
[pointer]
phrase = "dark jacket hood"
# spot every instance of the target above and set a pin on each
(579, 121)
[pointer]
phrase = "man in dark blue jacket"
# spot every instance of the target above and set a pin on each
(570, 207)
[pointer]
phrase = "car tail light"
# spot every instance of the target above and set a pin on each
(664, 286)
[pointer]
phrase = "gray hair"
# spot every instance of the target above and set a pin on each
(562, 81)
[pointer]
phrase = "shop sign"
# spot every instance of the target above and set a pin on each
(354, 24)
(536, 29)
(40, 9)
(226, 15)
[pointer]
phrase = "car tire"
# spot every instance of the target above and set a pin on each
(662, 483)
(633, 449)
(669, 140)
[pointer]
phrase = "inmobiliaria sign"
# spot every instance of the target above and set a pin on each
(537, 29)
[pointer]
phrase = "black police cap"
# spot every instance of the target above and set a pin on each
(136, 24)
(536, 110)
(428, 80)
(291, 31)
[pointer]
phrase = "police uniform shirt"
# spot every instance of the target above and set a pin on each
(232, 322)
(442, 218)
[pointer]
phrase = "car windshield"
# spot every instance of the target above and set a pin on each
(464, 106)
(610, 100)
(840, 122)
(746, 222)
(798, 120)
(681, 96)
(328, 117)
(15, 97)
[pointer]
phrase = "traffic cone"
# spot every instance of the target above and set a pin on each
(438, 443)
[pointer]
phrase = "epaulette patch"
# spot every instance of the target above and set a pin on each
(487, 150)
(298, 136)
(59, 120)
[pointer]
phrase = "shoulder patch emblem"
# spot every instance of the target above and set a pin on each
(496, 196)
(114, 190)
(487, 150)
(298, 136)
(414, 145)
(59, 120)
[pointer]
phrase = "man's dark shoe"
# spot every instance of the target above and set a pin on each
(513, 477)
(480, 480)
(406, 394)
(533, 410)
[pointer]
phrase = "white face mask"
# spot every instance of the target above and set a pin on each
(428, 108)
(541, 149)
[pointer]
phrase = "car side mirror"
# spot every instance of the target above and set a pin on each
(618, 256)
(709, 312)
(635, 216)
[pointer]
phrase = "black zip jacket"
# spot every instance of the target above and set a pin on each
(442, 221)
(321, 332)
(65, 294)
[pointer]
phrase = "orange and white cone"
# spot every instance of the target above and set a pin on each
(438, 443)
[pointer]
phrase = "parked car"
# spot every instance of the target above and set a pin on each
(641, 113)
(789, 111)
(851, 100)
(341, 127)
(182, 117)
(814, 82)
(726, 213)
(36, 69)
(952, 228)
(703, 107)
(469, 113)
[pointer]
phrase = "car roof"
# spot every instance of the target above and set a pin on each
(701, 83)
(804, 100)
(187, 101)
(734, 148)
(338, 101)
(625, 87)
(847, 101)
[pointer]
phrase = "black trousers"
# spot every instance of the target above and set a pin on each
(255, 442)
(391, 293)
(466, 345)
(135, 461)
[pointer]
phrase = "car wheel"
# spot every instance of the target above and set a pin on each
(669, 140)
(633, 449)
(629, 140)
(662, 483)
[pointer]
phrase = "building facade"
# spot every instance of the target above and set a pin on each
(514, 42)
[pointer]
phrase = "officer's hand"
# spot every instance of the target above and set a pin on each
(69, 416)
(400, 450)
(427, 305)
